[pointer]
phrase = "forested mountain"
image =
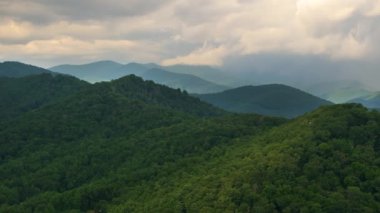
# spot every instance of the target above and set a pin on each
(108, 70)
(273, 99)
(134, 146)
(370, 101)
(17, 69)
(20, 95)
(326, 161)
(111, 115)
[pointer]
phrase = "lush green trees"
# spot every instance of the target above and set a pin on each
(20, 95)
(134, 146)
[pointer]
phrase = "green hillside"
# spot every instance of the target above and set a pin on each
(272, 99)
(19, 95)
(326, 161)
(17, 69)
(134, 146)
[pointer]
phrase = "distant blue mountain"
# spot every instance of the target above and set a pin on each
(339, 91)
(369, 101)
(109, 70)
(92, 72)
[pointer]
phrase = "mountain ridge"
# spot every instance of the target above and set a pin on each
(18, 69)
(191, 83)
(270, 99)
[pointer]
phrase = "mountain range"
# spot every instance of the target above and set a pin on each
(274, 100)
(130, 145)
(206, 79)
(108, 70)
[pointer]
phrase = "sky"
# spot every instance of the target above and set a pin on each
(207, 32)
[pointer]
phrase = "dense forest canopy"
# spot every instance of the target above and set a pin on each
(134, 146)
(20, 95)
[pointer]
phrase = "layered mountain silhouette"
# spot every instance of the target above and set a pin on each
(131, 145)
(273, 99)
(108, 70)
(17, 69)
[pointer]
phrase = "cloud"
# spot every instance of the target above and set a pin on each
(167, 31)
(339, 29)
(14, 32)
(52, 51)
(203, 56)
(43, 11)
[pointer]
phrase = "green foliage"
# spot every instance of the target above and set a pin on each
(20, 95)
(133, 146)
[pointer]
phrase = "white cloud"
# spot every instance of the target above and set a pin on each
(52, 51)
(203, 56)
(12, 31)
(176, 31)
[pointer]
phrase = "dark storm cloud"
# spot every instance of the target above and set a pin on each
(303, 71)
(44, 11)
